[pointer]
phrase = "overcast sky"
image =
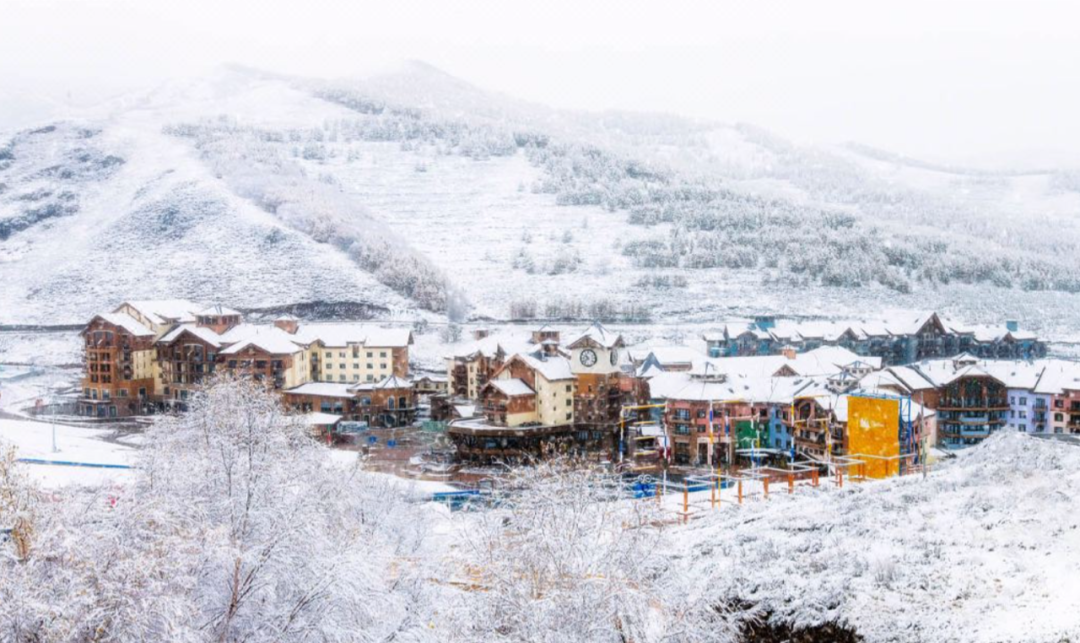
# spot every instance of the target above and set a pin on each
(961, 80)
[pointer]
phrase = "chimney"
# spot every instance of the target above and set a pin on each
(288, 323)
(788, 352)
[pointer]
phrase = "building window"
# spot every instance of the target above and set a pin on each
(1023, 401)
(382, 366)
(329, 365)
(370, 366)
(341, 366)
(356, 366)
(382, 354)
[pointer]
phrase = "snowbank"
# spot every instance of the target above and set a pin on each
(986, 548)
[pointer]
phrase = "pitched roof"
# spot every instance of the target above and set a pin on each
(345, 334)
(391, 382)
(163, 311)
(555, 368)
(825, 360)
(202, 332)
(217, 310)
(512, 387)
(127, 322)
(598, 335)
(756, 389)
(271, 339)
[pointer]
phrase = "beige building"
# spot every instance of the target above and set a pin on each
(548, 381)
(353, 353)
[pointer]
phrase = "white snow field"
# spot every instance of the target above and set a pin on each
(985, 548)
(74, 445)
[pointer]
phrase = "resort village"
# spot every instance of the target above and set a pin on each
(762, 391)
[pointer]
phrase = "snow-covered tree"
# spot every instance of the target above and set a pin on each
(237, 526)
(564, 556)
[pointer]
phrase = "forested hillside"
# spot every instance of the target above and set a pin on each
(415, 191)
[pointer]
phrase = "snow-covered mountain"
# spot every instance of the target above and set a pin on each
(415, 193)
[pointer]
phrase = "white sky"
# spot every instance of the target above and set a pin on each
(979, 81)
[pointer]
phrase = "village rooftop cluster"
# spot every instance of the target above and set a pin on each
(766, 389)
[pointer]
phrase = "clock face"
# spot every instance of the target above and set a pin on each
(614, 358)
(588, 357)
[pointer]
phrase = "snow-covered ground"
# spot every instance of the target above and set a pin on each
(986, 548)
(33, 440)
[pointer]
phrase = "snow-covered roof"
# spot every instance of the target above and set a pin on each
(512, 387)
(553, 368)
(163, 311)
(598, 335)
(322, 389)
(320, 419)
(217, 310)
(390, 382)
(670, 355)
(897, 325)
(490, 346)
(466, 410)
(683, 386)
(433, 378)
(1045, 376)
(1057, 377)
(268, 338)
(1011, 373)
(202, 332)
(127, 322)
(338, 335)
(826, 360)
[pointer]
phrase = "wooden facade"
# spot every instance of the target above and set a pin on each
(276, 370)
(971, 408)
(186, 362)
(118, 380)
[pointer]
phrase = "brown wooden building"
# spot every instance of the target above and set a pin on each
(187, 357)
(118, 379)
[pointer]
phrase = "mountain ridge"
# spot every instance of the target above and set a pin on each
(427, 193)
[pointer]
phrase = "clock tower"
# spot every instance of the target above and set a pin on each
(597, 351)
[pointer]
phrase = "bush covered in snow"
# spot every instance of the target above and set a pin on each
(236, 527)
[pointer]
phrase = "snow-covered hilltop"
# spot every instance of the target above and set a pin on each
(414, 191)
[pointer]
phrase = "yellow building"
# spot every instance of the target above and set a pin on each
(355, 353)
(547, 380)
